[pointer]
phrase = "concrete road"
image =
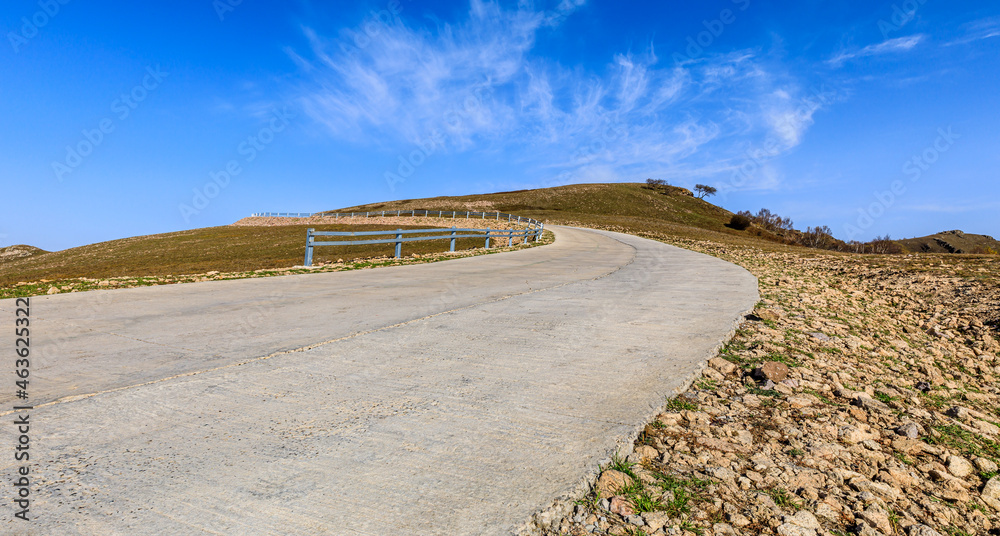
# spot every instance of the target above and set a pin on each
(450, 398)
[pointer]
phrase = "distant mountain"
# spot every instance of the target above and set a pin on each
(19, 251)
(951, 242)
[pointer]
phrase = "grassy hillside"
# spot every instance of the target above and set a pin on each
(629, 207)
(223, 249)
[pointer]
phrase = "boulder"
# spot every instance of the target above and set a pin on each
(722, 365)
(771, 370)
(611, 481)
(991, 493)
(959, 466)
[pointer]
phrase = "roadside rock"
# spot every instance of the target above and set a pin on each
(959, 466)
(655, 520)
(910, 430)
(804, 519)
(922, 530)
(621, 506)
(771, 370)
(851, 435)
(611, 481)
(722, 365)
(986, 465)
(644, 453)
(991, 493)
(788, 529)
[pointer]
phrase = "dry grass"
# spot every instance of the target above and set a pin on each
(222, 249)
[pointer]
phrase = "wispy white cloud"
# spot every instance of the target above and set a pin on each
(889, 46)
(478, 84)
(978, 30)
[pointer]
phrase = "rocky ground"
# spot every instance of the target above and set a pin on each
(860, 398)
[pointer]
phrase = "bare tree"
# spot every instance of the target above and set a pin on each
(818, 237)
(704, 190)
(771, 221)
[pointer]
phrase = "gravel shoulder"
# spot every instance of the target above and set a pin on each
(861, 397)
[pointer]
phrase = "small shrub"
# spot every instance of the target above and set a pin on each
(783, 498)
(739, 222)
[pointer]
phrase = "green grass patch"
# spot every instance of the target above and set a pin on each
(688, 526)
(622, 465)
(884, 398)
(782, 358)
(678, 404)
(782, 498)
(706, 384)
(684, 490)
(956, 438)
(640, 498)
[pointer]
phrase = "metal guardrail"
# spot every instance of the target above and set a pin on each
(453, 214)
(535, 231)
(281, 214)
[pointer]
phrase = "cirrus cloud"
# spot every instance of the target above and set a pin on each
(477, 84)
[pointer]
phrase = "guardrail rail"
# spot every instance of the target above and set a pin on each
(534, 231)
(453, 214)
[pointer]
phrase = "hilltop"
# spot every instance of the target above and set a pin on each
(951, 242)
(19, 251)
(628, 207)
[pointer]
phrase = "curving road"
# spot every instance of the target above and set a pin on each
(450, 398)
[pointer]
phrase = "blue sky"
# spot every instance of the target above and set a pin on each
(125, 119)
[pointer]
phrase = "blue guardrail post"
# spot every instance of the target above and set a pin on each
(453, 239)
(488, 233)
(399, 243)
(309, 247)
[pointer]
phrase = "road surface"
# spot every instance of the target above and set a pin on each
(454, 398)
